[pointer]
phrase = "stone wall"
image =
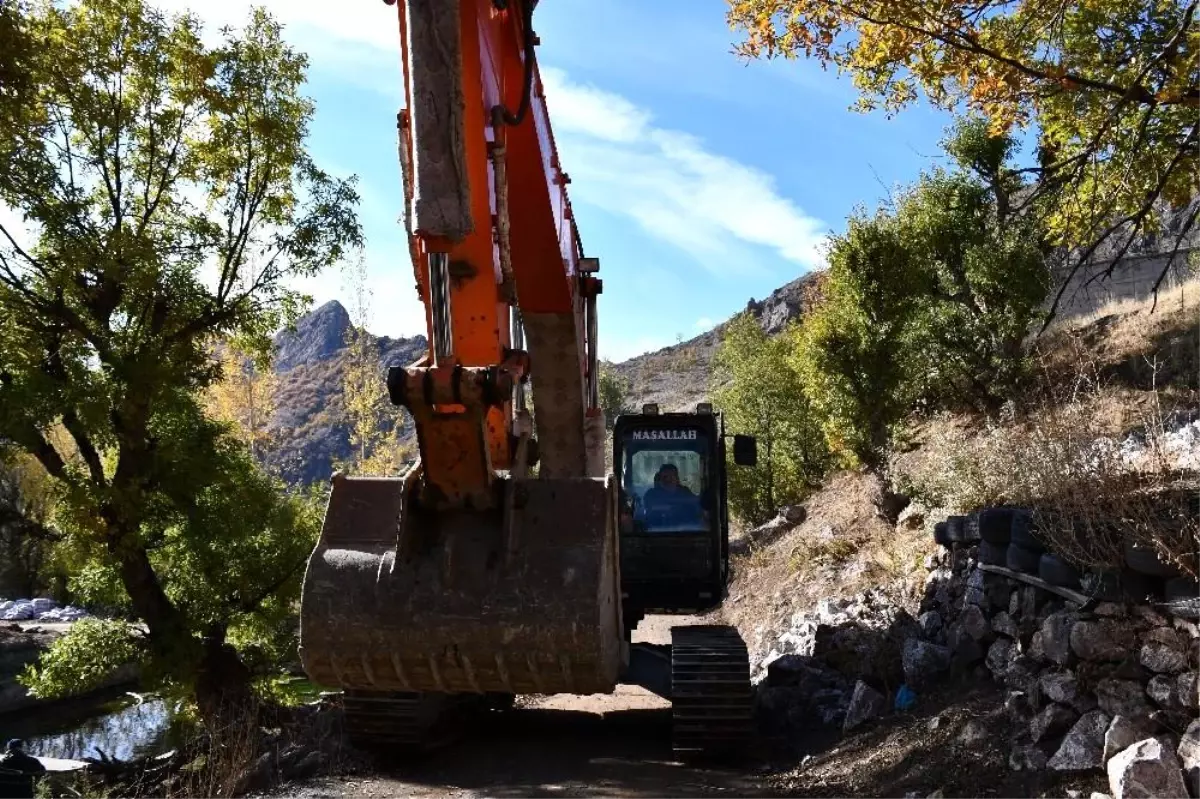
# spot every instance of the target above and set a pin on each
(1132, 279)
(1091, 685)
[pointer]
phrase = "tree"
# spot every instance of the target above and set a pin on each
(244, 397)
(375, 426)
(927, 301)
(761, 395)
(169, 197)
(614, 394)
(851, 351)
(1112, 88)
(982, 273)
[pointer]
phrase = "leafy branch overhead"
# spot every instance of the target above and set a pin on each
(166, 197)
(1111, 86)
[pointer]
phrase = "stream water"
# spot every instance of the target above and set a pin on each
(120, 727)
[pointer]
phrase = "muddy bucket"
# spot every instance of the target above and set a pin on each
(397, 599)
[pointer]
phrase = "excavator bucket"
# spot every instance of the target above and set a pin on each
(520, 599)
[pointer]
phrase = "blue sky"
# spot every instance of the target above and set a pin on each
(700, 181)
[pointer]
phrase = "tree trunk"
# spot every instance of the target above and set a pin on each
(223, 692)
(221, 681)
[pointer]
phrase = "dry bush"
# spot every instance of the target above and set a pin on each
(1101, 472)
(809, 555)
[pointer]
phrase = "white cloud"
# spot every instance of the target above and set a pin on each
(668, 183)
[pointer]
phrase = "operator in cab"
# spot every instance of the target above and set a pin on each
(669, 503)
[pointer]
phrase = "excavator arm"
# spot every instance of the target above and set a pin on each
(499, 264)
(466, 575)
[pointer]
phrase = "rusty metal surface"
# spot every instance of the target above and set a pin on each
(400, 599)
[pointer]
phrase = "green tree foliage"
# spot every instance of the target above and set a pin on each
(926, 301)
(375, 425)
(1111, 86)
(84, 658)
(169, 197)
(614, 394)
(762, 395)
(851, 351)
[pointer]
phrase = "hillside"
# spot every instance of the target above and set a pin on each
(679, 376)
(310, 434)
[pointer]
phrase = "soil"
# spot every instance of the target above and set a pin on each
(619, 745)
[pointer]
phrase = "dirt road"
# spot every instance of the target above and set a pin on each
(603, 745)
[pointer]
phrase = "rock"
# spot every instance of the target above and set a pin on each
(1014, 603)
(1150, 616)
(974, 623)
(1123, 732)
(1062, 687)
(1037, 650)
(1083, 746)
(975, 592)
(1187, 690)
(1056, 637)
(1146, 769)
(1029, 600)
(1018, 706)
(974, 733)
(1027, 758)
(1098, 795)
(1122, 698)
(794, 514)
(1161, 689)
(1110, 610)
(1189, 757)
(865, 704)
(1054, 720)
(999, 655)
(931, 623)
(1163, 658)
(923, 661)
(1003, 624)
(1105, 639)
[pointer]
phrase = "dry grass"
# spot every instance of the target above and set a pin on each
(843, 548)
(1123, 375)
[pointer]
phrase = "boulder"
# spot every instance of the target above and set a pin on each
(1110, 610)
(1003, 624)
(1146, 769)
(1161, 689)
(1124, 732)
(1054, 720)
(1187, 690)
(931, 623)
(865, 704)
(1083, 746)
(1056, 637)
(974, 623)
(1063, 687)
(1189, 757)
(1018, 706)
(793, 514)
(999, 656)
(1122, 698)
(1103, 639)
(923, 661)
(1163, 658)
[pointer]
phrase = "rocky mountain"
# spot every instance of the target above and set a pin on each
(309, 425)
(679, 376)
(311, 434)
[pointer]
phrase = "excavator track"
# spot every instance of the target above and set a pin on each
(407, 723)
(711, 696)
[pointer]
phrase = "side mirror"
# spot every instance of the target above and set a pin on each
(745, 451)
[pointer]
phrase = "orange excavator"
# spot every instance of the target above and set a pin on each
(509, 559)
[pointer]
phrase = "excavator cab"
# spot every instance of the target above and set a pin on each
(673, 514)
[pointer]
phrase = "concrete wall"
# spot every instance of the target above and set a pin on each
(1133, 279)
